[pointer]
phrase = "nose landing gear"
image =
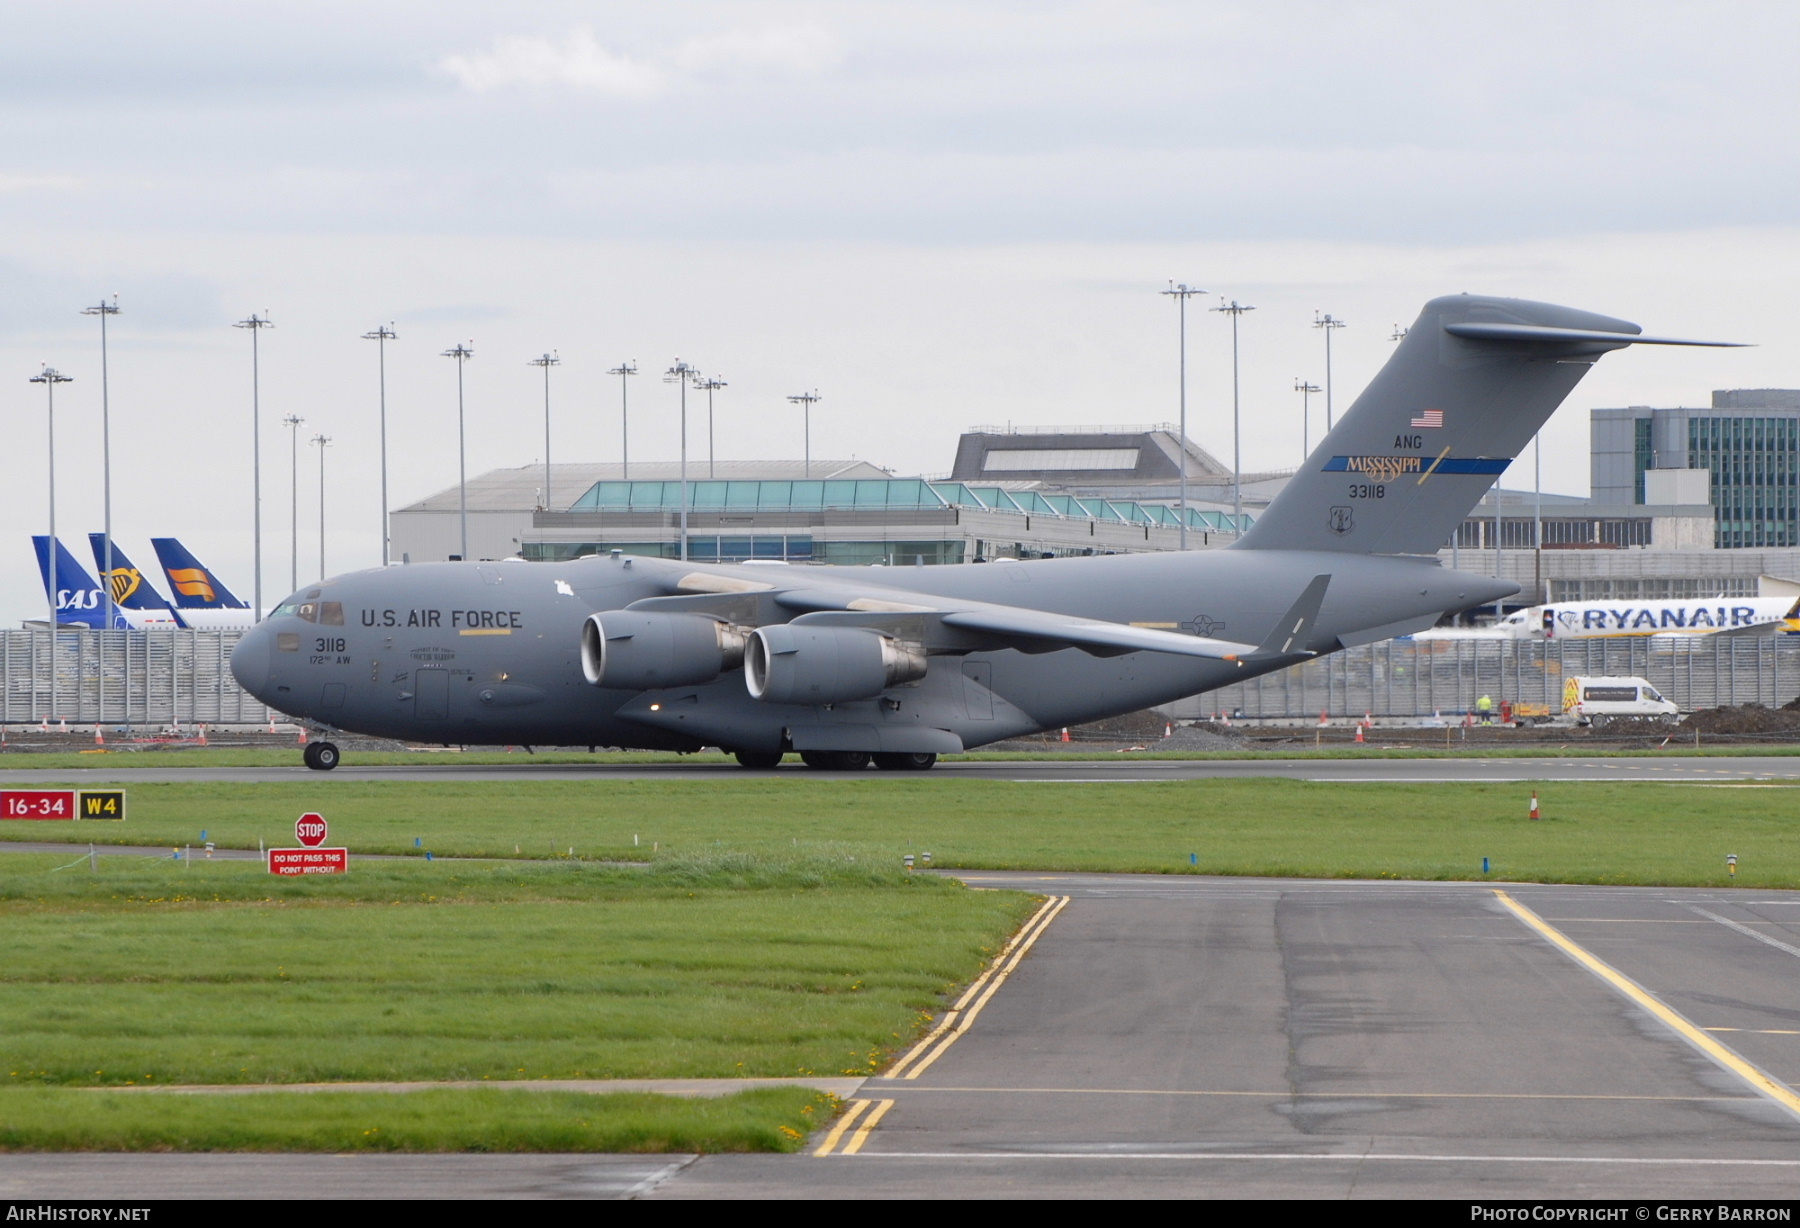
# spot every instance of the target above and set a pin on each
(320, 756)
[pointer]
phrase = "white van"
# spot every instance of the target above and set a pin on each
(1600, 702)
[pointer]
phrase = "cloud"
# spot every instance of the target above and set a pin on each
(580, 62)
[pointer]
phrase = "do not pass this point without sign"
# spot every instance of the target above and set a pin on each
(310, 830)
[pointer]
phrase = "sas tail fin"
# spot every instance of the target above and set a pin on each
(1470, 384)
(193, 585)
(77, 597)
(130, 589)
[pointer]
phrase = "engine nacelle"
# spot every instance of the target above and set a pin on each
(631, 650)
(788, 664)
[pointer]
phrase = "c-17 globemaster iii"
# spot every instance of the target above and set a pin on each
(900, 665)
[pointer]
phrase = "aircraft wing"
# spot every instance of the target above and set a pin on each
(956, 625)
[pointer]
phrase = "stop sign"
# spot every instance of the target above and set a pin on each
(309, 829)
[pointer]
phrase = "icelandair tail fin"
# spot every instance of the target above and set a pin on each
(193, 586)
(1470, 384)
(130, 590)
(78, 599)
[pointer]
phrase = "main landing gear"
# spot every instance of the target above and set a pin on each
(320, 756)
(840, 760)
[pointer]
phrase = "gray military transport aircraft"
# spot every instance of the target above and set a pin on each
(898, 665)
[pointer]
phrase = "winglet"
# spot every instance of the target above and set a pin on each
(1295, 627)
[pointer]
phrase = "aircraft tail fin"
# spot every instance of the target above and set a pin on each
(77, 596)
(1469, 385)
(192, 584)
(131, 590)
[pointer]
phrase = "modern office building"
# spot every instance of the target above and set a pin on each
(1747, 444)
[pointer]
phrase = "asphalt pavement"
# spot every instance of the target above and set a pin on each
(1195, 1037)
(1692, 769)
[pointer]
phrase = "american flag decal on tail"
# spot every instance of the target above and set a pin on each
(1429, 418)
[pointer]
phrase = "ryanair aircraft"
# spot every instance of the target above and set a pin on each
(1569, 620)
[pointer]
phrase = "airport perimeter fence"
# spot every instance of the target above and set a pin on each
(179, 676)
(1419, 678)
(164, 677)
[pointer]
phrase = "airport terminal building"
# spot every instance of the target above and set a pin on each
(1686, 503)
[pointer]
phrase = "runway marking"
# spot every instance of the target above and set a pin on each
(1289, 1095)
(868, 1124)
(1760, 1031)
(992, 978)
(843, 1124)
(1780, 1093)
(1744, 929)
(1353, 1157)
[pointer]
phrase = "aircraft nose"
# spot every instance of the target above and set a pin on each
(250, 661)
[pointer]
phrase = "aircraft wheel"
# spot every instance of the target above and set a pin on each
(320, 756)
(905, 762)
(758, 760)
(835, 760)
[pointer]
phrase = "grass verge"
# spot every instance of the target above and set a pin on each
(715, 965)
(1640, 833)
(51, 1119)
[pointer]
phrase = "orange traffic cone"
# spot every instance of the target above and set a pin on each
(272, 728)
(302, 741)
(62, 726)
(1534, 808)
(1322, 720)
(99, 738)
(1065, 734)
(1168, 729)
(44, 725)
(203, 735)
(1359, 735)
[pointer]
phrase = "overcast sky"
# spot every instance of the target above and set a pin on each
(936, 214)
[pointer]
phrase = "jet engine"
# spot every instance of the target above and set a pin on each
(788, 664)
(634, 651)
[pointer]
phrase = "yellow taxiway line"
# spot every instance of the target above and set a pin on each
(847, 1124)
(843, 1123)
(1762, 1083)
(956, 1021)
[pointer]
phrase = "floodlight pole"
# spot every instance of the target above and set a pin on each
(462, 354)
(381, 336)
(1537, 532)
(712, 384)
(680, 374)
(624, 371)
(292, 422)
(50, 378)
(1305, 390)
(1234, 309)
(1330, 324)
(546, 362)
(806, 400)
(322, 442)
(256, 324)
(104, 309)
(1181, 294)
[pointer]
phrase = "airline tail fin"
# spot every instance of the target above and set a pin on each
(77, 596)
(1467, 388)
(193, 585)
(130, 589)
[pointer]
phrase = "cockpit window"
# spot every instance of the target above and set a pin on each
(309, 610)
(331, 613)
(290, 609)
